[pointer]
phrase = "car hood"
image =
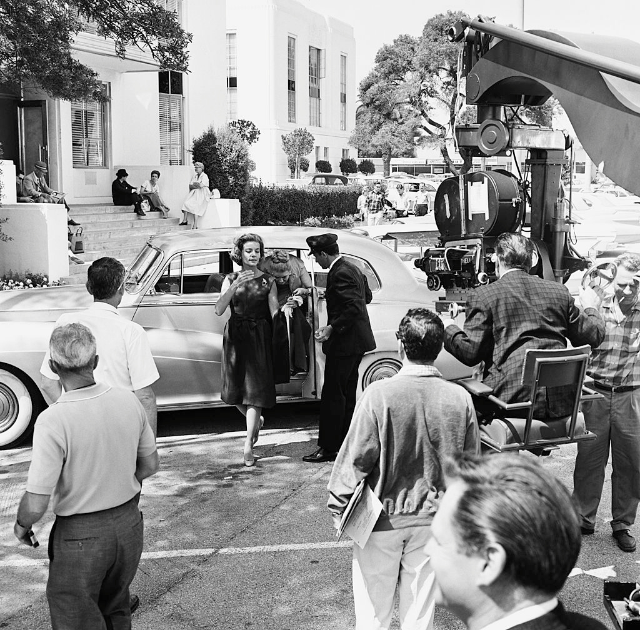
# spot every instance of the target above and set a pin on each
(42, 304)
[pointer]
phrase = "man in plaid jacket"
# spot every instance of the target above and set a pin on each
(516, 313)
(615, 369)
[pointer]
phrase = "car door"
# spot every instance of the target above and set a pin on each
(178, 313)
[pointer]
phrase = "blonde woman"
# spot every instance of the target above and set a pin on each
(195, 205)
(247, 364)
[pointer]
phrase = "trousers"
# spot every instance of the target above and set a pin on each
(394, 560)
(93, 560)
(338, 399)
(616, 422)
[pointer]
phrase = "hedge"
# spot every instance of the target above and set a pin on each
(269, 205)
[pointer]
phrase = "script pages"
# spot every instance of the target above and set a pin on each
(360, 515)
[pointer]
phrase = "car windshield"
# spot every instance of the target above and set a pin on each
(135, 276)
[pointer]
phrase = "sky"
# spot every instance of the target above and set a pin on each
(378, 22)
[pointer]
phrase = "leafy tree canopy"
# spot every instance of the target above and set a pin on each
(246, 129)
(36, 38)
(297, 144)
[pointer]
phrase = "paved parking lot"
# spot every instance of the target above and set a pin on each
(237, 548)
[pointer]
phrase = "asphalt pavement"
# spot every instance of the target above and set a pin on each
(233, 548)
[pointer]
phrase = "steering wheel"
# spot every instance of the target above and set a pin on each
(599, 276)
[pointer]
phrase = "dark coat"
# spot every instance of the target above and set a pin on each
(560, 619)
(518, 312)
(347, 296)
(122, 193)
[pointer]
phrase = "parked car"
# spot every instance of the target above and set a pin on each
(171, 290)
(328, 179)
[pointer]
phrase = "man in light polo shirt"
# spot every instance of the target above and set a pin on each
(125, 355)
(91, 450)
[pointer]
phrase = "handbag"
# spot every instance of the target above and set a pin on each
(77, 241)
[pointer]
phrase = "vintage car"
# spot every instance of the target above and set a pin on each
(171, 290)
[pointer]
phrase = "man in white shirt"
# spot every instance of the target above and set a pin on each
(504, 540)
(125, 355)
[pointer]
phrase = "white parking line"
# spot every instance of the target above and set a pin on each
(180, 553)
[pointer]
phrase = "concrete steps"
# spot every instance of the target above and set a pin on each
(114, 231)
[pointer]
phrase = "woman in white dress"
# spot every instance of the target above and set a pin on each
(151, 191)
(195, 205)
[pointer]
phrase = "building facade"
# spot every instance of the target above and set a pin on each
(149, 121)
(290, 67)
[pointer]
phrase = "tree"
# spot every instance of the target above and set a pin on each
(323, 166)
(246, 129)
(225, 156)
(291, 163)
(367, 167)
(36, 38)
(297, 144)
(348, 166)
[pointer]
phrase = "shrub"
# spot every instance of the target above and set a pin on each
(226, 160)
(291, 163)
(30, 280)
(264, 205)
(348, 166)
(323, 166)
(337, 223)
(367, 167)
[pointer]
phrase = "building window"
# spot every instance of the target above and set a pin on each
(171, 117)
(172, 5)
(317, 151)
(345, 154)
(89, 124)
(314, 86)
(232, 77)
(291, 78)
(326, 153)
(343, 92)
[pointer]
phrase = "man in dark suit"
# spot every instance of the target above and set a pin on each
(345, 339)
(516, 313)
(503, 542)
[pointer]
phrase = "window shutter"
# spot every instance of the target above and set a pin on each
(170, 106)
(87, 133)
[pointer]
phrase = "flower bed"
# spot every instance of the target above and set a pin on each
(12, 281)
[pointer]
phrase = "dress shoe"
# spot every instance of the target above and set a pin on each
(587, 531)
(625, 540)
(319, 456)
(72, 222)
(134, 602)
(141, 213)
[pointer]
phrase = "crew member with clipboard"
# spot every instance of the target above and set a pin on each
(402, 430)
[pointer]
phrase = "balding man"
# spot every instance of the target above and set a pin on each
(91, 450)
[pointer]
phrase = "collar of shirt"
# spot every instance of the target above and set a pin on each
(415, 369)
(103, 306)
(333, 262)
(504, 272)
(611, 305)
(84, 393)
(522, 616)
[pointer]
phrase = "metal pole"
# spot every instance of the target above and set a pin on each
(556, 49)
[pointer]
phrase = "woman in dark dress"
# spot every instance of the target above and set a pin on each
(247, 366)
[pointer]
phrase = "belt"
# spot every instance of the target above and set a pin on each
(614, 388)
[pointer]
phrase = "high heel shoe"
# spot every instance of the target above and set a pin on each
(256, 435)
(249, 459)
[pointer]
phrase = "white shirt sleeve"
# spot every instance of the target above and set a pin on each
(142, 368)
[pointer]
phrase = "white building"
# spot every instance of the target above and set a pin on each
(290, 67)
(149, 122)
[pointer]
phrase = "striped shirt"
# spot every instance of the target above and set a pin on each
(615, 361)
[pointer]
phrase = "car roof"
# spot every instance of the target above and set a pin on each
(290, 237)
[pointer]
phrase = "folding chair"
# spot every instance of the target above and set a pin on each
(541, 369)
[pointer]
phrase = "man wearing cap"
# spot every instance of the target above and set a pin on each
(124, 194)
(34, 186)
(345, 339)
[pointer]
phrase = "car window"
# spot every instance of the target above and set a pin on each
(320, 275)
(137, 272)
(194, 272)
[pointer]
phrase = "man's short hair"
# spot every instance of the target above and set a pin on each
(514, 251)
(72, 347)
(631, 262)
(421, 332)
(104, 277)
(511, 500)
